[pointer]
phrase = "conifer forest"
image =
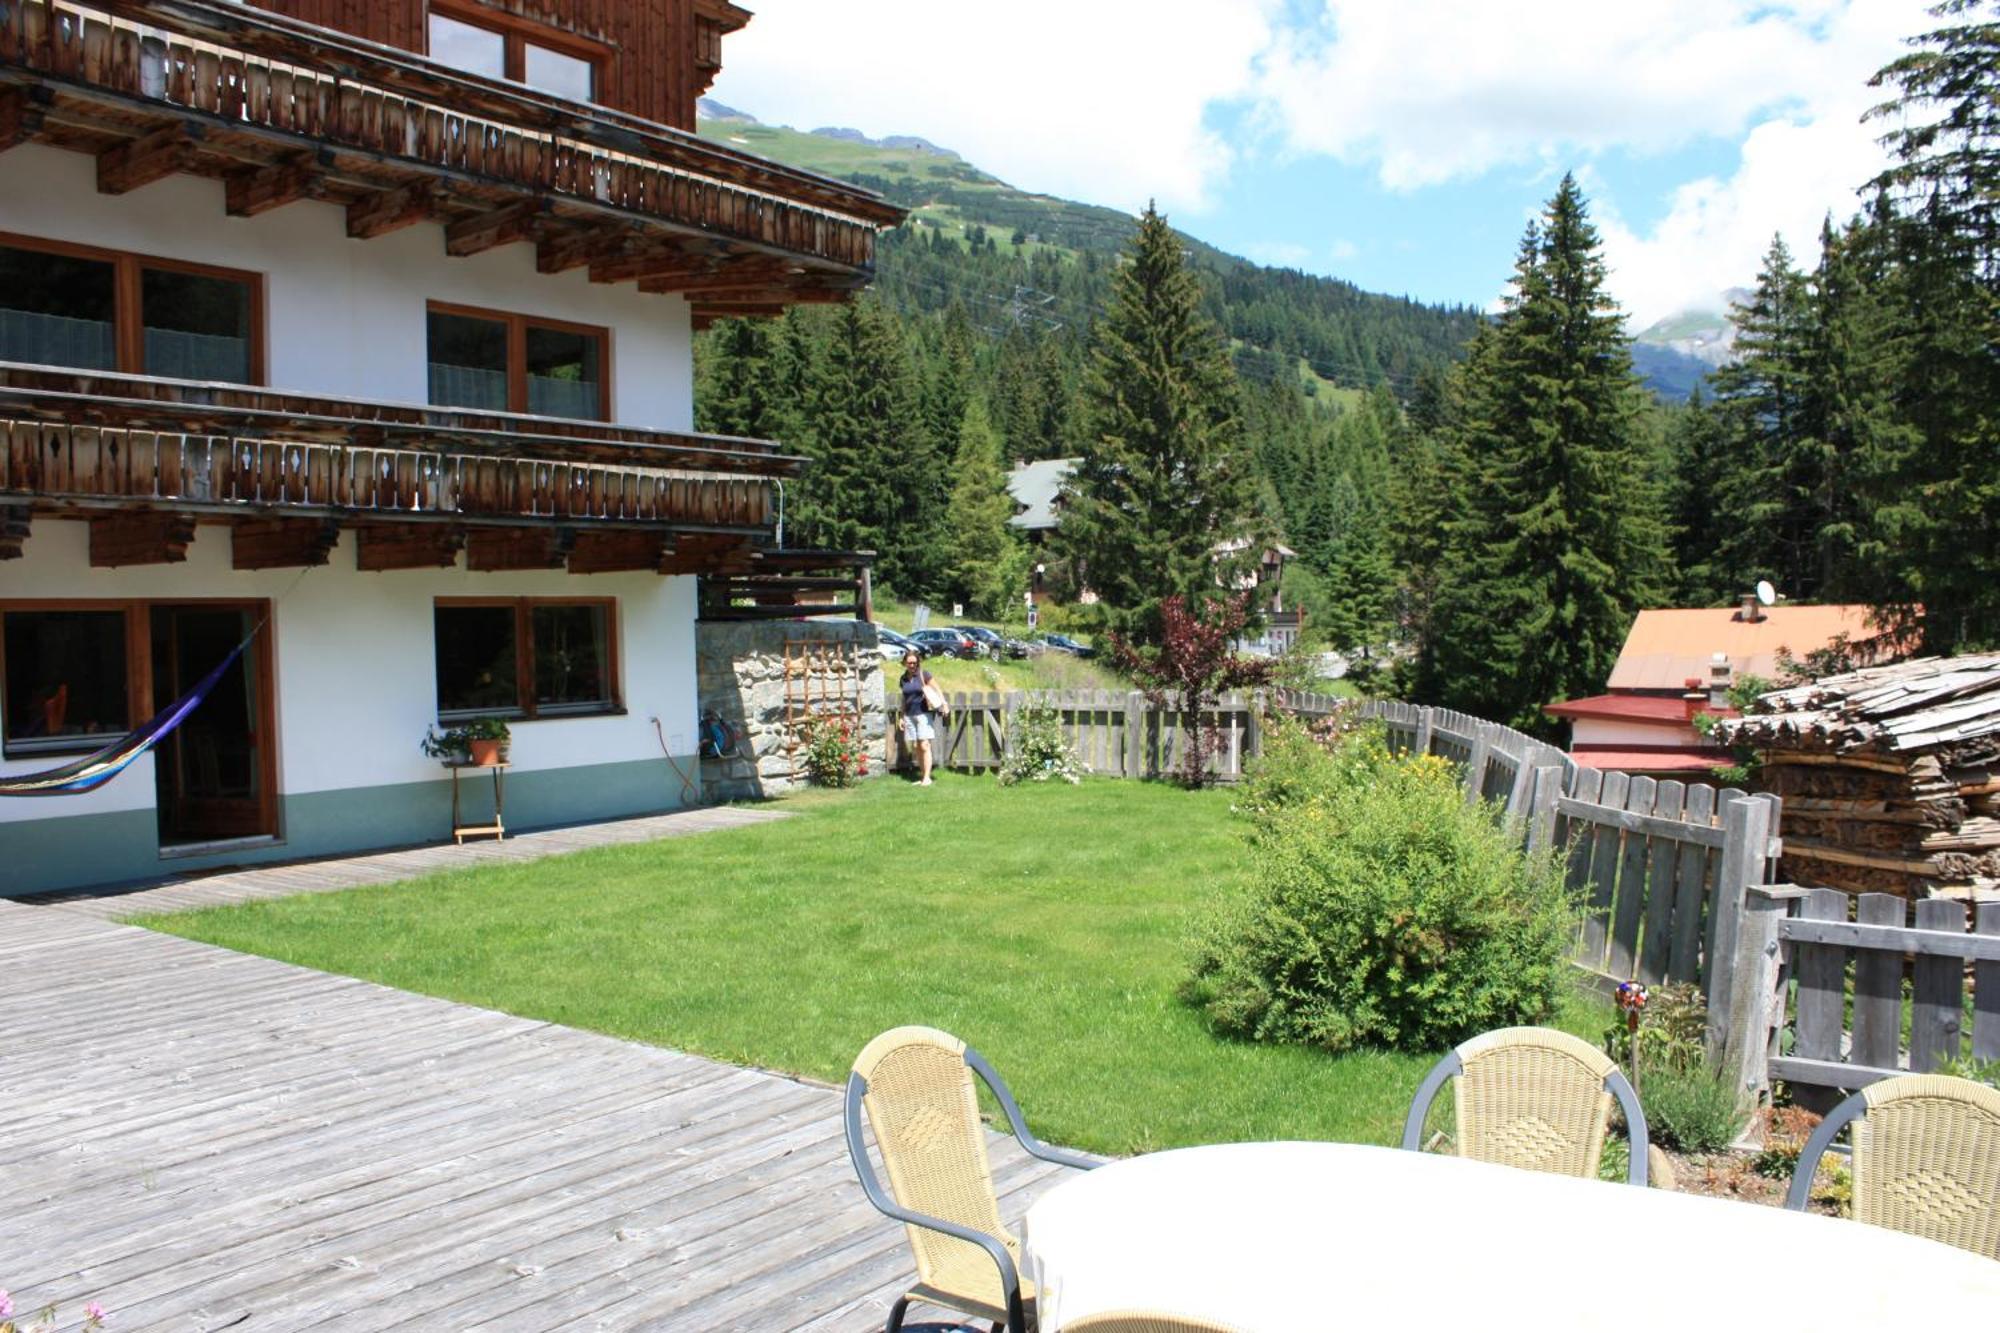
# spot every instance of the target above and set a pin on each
(1478, 502)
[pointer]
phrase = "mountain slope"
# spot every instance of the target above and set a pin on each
(1016, 260)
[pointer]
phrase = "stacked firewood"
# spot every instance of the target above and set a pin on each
(1890, 776)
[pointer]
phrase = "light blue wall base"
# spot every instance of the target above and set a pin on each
(82, 851)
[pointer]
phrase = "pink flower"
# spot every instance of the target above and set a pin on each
(93, 1310)
(6, 1304)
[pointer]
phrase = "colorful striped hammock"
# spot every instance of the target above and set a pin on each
(94, 770)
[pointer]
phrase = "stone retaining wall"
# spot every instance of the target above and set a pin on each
(740, 676)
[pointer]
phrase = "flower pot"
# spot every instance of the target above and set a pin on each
(485, 754)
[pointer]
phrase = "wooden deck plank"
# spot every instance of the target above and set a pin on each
(201, 1140)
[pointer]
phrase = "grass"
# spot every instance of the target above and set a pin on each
(1044, 925)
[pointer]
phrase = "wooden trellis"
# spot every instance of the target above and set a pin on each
(822, 680)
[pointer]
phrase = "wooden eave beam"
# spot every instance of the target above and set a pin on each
(481, 232)
(657, 264)
(261, 189)
(148, 158)
(494, 550)
(411, 546)
(144, 537)
(13, 530)
(620, 552)
(20, 117)
(559, 252)
(391, 210)
(282, 543)
(744, 274)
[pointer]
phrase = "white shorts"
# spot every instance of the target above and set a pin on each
(918, 727)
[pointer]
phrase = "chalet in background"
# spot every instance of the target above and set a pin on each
(369, 323)
(1679, 663)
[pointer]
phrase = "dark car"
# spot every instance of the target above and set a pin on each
(996, 644)
(1063, 643)
(894, 645)
(948, 643)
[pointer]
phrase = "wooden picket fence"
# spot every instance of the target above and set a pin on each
(1837, 991)
(1662, 866)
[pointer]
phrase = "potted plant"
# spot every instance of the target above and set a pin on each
(480, 741)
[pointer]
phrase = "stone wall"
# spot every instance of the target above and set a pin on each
(740, 676)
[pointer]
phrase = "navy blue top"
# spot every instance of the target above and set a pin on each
(913, 693)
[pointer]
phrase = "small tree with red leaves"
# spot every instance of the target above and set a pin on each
(1191, 668)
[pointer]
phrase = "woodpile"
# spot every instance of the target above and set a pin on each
(1890, 776)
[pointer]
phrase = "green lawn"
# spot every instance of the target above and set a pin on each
(1044, 925)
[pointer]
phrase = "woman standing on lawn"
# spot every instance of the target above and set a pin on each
(919, 719)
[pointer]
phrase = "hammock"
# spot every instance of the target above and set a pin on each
(94, 770)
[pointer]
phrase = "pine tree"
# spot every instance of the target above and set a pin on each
(987, 566)
(1701, 527)
(1164, 476)
(1562, 540)
(734, 394)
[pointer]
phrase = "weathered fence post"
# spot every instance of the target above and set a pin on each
(1135, 735)
(1475, 763)
(1422, 744)
(1746, 835)
(1756, 1007)
(1541, 813)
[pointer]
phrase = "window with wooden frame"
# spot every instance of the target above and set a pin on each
(77, 305)
(497, 362)
(505, 46)
(526, 657)
(68, 684)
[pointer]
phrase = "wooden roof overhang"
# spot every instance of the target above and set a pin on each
(280, 110)
(147, 459)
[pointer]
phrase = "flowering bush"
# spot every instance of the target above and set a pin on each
(44, 1320)
(1383, 911)
(834, 752)
(1037, 750)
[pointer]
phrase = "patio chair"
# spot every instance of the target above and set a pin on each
(1533, 1098)
(1143, 1321)
(1926, 1159)
(915, 1084)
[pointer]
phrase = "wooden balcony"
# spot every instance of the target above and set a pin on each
(282, 111)
(146, 460)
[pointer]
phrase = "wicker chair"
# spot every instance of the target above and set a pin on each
(1926, 1159)
(915, 1083)
(1143, 1321)
(1534, 1098)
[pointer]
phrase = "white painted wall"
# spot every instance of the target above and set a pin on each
(1600, 731)
(356, 668)
(346, 317)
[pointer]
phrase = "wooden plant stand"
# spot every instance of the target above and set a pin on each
(498, 828)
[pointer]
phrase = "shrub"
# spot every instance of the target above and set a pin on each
(834, 754)
(44, 1320)
(1383, 911)
(1037, 750)
(1785, 1135)
(1692, 1108)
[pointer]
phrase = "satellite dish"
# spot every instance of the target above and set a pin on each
(1766, 593)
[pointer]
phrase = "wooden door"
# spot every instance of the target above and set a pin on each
(214, 771)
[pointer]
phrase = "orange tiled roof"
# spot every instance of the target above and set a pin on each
(1668, 648)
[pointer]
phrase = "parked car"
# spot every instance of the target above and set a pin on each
(996, 644)
(948, 643)
(894, 645)
(1062, 643)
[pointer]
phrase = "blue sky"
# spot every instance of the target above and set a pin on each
(1401, 144)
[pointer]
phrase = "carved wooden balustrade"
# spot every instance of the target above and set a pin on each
(282, 110)
(85, 443)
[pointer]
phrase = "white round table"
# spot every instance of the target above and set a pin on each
(1268, 1237)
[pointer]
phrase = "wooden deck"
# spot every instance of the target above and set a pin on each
(204, 1140)
(179, 893)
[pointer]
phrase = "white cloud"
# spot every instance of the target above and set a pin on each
(1342, 249)
(1102, 100)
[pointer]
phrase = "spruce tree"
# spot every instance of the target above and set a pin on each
(734, 394)
(987, 567)
(1561, 541)
(1701, 527)
(1770, 483)
(1164, 476)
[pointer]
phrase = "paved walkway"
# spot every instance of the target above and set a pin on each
(204, 1140)
(176, 893)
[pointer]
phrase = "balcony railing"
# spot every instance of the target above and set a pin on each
(84, 441)
(285, 110)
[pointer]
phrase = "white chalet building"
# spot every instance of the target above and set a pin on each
(379, 339)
